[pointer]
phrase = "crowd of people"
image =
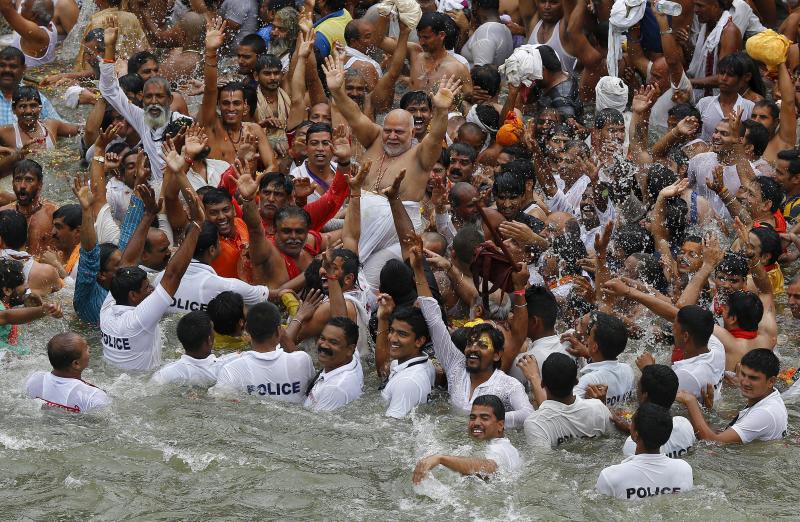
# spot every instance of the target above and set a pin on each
(490, 198)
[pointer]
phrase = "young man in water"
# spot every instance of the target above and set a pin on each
(649, 472)
(27, 181)
(764, 418)
(63, 388)
(341, 379)
(487, 424)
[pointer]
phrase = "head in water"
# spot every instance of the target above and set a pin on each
(337, 342)
(156, 100)
(651, 427)
(196, 334)
(398, 131)
(487, 419)
(68, 353)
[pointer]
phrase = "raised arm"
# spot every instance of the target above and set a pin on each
(382, 358)
(180, 260)
(640, 123)
(672, 51)
(351, 233)
(787, 133)
(602, 273)
(30, 32)
(215, 37)
(365, 130)
(334, 270)
(430, 148)
(660, 307)
(132, 254)
(712, 255)
(97, 169)
(701, 427)
(88, 235)
(297, 91)
(402, 222)
(263, 254)
(383, 95)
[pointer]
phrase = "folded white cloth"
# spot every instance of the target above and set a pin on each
(72, 95)
(611, 93)
(355, 55)
(450, 5)
(624, 15)
(524, 66)
(408, 10)
(697, 67)
(472, 117)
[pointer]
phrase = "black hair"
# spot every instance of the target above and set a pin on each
(226, 309)
(459, 337)
(658, 178)
(734, 264)
(131, 82)
(351, 32)
(278, 178)
(756, 135)
(465, 241)
(25, 92)
(651, 272)
(487, 4)
(106, 251)
(251, 98)
(215, 196)
(559, 374)
(254, 42)
(348, 326)
(550, 60)
(610, 334)
(684, 110)
(11, 274)
(209, 236)
(268, 61)
(542, 303)
(756, 82)
(489, 116)
(608, 116)
(698, 322)
(292, 212)
(675, 220)
(774, 110)
(13, 229)
(62, 349)
(350, 263)
(414, 318)
(460, 149)
(747, 308)
(451, 34)
(319, 127)
(233, 86)
(770, 242)
(275, 5)
(415, 97)
(12, 53)
(193, 330)
(28, 165)
(763, 361)
(772, 191)
(136, 61)
(487, 78)
(497, 337)
(521, 168)
(311, 273)
(632, 238)
(71, 213)
(508, 184)
(397, 279)
(732, 65)
(660, 382)
(518, 152)
(793, 157)
(435, 21)
(263, 321)
(562, 128)
(653, 423)
(126, 279)
(493, 402)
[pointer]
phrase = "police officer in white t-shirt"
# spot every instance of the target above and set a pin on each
(487, 424)
(649, 473)
(406, 371)
(764, 418)
(198, 366)
(201, 283)
(129, 318)
(267, 371)
(658, 385)
(63, 388)
(341, 379)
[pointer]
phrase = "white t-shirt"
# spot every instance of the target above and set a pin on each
(680, 441)
(131, 336)
(409, 385)
(337, 388)
(695, 373)
(660, 111)
(214, 170)
(701, 168)
(188, 371)
(555, 423)
(277, 374)
(765, 420)
(541, 349)
(645, 475)
(301, 171)
(504, 454)
(72, 395)
(200, 284)
(618, 376)
(490, 44)
(118, 196)
(711, 113)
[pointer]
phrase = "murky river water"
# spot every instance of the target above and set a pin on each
(165, 454)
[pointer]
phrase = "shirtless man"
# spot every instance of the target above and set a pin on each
(768, 114)
(29, 131)
(430, 61)
(65, 16)
(181, 63)
(27, 185)
(358, 35)
(390, 150)
(34, 32)
(225, 133)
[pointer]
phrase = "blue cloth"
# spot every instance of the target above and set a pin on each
(321, 42)
(7, 116)
(89, 295)
(265, 33)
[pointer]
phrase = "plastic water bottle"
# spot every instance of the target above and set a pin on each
(669, 8)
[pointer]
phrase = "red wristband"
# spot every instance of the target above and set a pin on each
(520, 292)
(107, 60)
(188, 161)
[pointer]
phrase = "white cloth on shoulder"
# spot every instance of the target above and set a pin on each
(355, 56)
(624, 15)
(707, 43)
(611, 93)
(524, 66)
(450, 5)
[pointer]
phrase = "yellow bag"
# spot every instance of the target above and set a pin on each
(769, 48)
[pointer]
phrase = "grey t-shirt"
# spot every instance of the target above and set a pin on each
(242, 12)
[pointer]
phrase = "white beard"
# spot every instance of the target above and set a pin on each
(158, 121)
(396, 150)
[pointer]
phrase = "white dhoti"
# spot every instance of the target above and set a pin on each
(379, 242)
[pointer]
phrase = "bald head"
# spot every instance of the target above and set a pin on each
(557, 222)
(193, 26)
(65, 348)
(398, 131)
(358, 34)
(38, 11)
(463, 195)
(472, 135)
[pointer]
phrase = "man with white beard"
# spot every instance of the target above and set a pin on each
(390, 149)
(150, 121)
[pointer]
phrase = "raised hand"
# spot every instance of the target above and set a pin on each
(247, 184)
(385, 306)
(601, 240)
(248, 148)
(313, 299)
(437, 261)
(616, 286)
(215, 33)
(716, 183)
(449, 87)
(356, 178)
(195, 204)
(646, 359)
(306, 44)
(416, 252)
(104, 137)
(334, 73)
(674, 190)
(142, 169)
(80, 187)
(303, 187)
(712, 253)
(439, 189)
(146, 193)
(174, 161)
(643, 99)
(111, 31)
(687, 126)
(392, 191)
(196, 140)
(530, 368)
(521, 276)
(112, 163)
(341, 143)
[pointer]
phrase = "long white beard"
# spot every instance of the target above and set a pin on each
(158, 121)
(396, 150)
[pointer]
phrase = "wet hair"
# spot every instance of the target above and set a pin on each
(562, 128)
(770, 242)
(351, 32)
(653, 423)
(437, 22)
(136, 61)
(348, 326)
(632, 238)
(193, 330)
(493, 402)
(215, 196)
(263, 321)
(487, 78)
(71, 214)
(126, 279)
(774, 110)
(350, 263)
(542, 303)
(733, 264)
(226, 309)
(771, 191)
(42, 11)
(415, 97)
(763, 361)
(519, 168)
(606, 117)
(658, 178)
(675, 220)
(497, 337)
(467, 128)
(461, 149)
(684, 110)
(790, 155)
(610, 334)
(397, 279)
(292, 212)
(11, 274)
(465, 241)
(518, 152)
(550, 60)
(508, 184)
(451, 34)
(234, 86)
(732, 65)
(62, 348)
(697, 322)
(278, 178)
(28, 165)
(459, 337)
(96, 35)
(489, 116)
(559, 374)
(13, 229)
(254, 42)
(275, 5)
(679, 157)
(311, 273)
(209, 236)
(651, 271)
(106, 251)
(660, 383)
(25, 92)
(414, 318)
(747, 308)
(756, 135)
(319, 127)
(267, 61)
(756, 82)
(251, 98)
(12, 53)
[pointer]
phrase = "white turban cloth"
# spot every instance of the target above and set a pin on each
(611, 93)
(524, 66)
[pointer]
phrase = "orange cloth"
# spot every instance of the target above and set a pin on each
(73, 259)
(511, 131)
(227, 263)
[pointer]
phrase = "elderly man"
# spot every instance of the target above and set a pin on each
(358, 35)
(391, 151)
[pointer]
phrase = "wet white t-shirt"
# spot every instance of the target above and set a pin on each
(645, 475)
(695, 373)
(189, 371)
(680, 441)
(408, 386)
(335, 389)
(277, 374)
(555, 423)
(63, 393)
(618, 376)
(504, 454)
(765, 420)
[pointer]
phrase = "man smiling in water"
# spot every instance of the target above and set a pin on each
(341, 379)
(486, 423)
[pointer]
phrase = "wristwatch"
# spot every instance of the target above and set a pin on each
(99, 159)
